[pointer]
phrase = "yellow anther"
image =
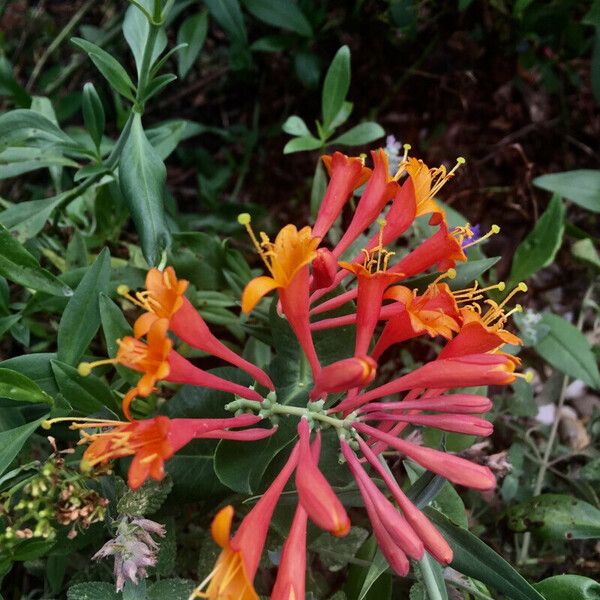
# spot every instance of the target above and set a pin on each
(123, 290)
(451, 273)
(46, 424)
(244, 219)
(461, 160)
(493, 231)
(528, 377)
(84, 369)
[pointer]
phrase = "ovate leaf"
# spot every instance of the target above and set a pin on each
(300, 144)
(359, 135)
(281, 13)
(581, 186)
(540, 246)
(568, 350)
(569, 587)
(229, 16)
(556, 517)
(142, 175)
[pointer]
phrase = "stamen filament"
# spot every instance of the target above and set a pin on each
(85, 368)
(493, 231)
(245, 220)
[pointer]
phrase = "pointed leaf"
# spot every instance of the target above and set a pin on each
(359, 135)
(336, 85)
(17, 386)
(193, 33)
(13, 440)
(581, 186)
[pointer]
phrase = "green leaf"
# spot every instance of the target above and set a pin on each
(93, 113)
(147, 499)
(35, 366)
(10, 86)
(93, 590)
(294, 125)
(540, 246)
(281, 13)
(583, 250)
(136, 30)
(569, 587)
(110, 68)
(17, 386)
(26, 219)
(300, 144)
(15, 161)
(317, 189)
(173, 589)
(193, 33)
(142, 175)
(81, 318)
(158, 84)
(336, 85)
(581, 186)
(13, 440)
(88, 395)
(473, 558)
(556, 517)
(16, 264)
(433, 577)
(14, 122)
(7, 322)
(229, 16)
(334, 552)
(567, 349)
(359, 135)
(374, 582)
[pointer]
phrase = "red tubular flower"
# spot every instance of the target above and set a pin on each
(394, 523)
(315, 493)
(452, 403)
(465, 371)
(164, 298)
(287, 259)
(380, 188)
(466, 424)
(347, 173)
(395, 557)
(455, 469)
(250, 537)
(151, 442)
(291, 575)
(324, 269)
(432, 539)
(343, 375)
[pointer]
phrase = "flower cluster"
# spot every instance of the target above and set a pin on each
(312, 279)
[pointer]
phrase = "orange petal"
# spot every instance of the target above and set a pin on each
(220, 528)
(255, 290)
(143, 323)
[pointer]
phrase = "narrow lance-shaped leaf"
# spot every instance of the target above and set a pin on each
(581, 186)
(17, 386)
(81, 319)
(93, 113)
(16, 264)
(13, 440)
(142, 175)
(284, 14)
(193, 33)
(336, 85)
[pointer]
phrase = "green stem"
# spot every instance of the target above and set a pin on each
(433, 591)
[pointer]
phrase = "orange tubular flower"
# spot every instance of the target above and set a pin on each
(287, 259)
(347, 173)
(164, 299)
(151, 442)
(229, 579)
(158, 361)
(428, 182)
(237, 565)
(435, 313)
(380, 188)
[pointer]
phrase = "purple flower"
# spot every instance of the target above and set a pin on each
(133, 548)
(476, 234)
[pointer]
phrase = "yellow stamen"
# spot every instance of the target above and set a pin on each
(449, 274)
(496, 311)
(85, 368)
(80, 422)
(402, 163)
(493, 231)
(143, 300)
(264, 247)
(528, 377)
(376, 260)
(441, 177)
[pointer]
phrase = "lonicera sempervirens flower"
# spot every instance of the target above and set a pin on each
(153, 441)
(157, 360)
(238, 562)
(164, 299)
(287, 259)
